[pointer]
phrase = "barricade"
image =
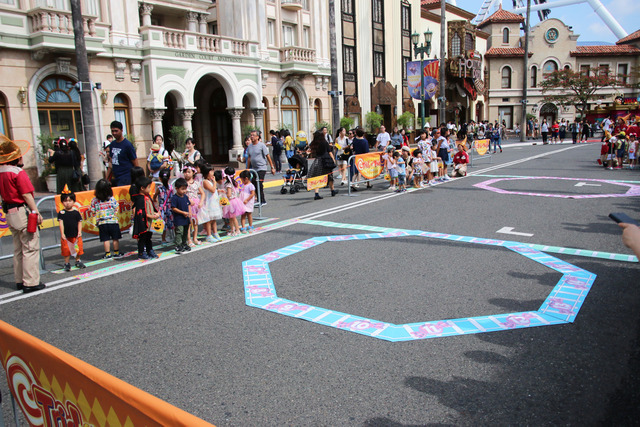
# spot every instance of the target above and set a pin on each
(374, 171)
(52, 387)
(482, 147)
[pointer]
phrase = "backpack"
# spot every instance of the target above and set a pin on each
(156, 161)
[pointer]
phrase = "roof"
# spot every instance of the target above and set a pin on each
(610, 50)
(427, 5)
(505, 52)
(631, 37)
(501, 15)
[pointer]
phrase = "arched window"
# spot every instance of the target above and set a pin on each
(505, 36)
(317, 106)
(59, 108)
(506, 78)
(121, 112)
(468, 42)
(4, 123)
(534, 76)
(548, 68)
(290, 107)
(567, 67)
(455, 45)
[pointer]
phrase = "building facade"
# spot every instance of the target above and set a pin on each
(211, 67)
(552, 46)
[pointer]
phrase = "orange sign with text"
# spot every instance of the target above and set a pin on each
(83, 204)
(317, 182)
(53, 388)
(482, 146)
(369, 165)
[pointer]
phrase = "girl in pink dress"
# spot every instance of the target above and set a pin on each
(235, 207)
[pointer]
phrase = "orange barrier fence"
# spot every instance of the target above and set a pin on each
(53, 388)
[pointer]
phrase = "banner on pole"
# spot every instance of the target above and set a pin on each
(482, 146)
(429, 75)
(54, 388)
(83, 205)
(369, 165)
(317, 182)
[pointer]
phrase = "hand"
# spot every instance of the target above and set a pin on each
(156, 215)
(40, 219)
(273, 170)
(631, 236)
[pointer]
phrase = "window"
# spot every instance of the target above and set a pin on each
(567, 67)
(4, 125)
(290, 108)
(405, 11)
(378, 64)
(317, 106)
(585, 70)
(603, 70)
(306, 37)
(213, 27)
(534, 76)
(623, 70)
(548, 68)
(377, 11)
(506, 78)
(505, 36)
(121, 112)
(9, 2)
(59, 108)
(405, 59)
(288, 35)
(349, 59)
(469, 42)
(271, 32)
(455, 45)
(347, 7)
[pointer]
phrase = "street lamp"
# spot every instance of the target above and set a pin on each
(421, 50)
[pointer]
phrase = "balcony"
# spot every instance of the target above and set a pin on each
(298, 60)
(294, 5)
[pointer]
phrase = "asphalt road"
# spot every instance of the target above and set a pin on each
(179, 328)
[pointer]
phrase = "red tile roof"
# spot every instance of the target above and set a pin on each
(430, 2)
(612, 50)
(502, 15)
(505, 52)
(631, 37)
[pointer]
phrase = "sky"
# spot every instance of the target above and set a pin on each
(581, 17)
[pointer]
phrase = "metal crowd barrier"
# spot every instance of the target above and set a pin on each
(350, 162)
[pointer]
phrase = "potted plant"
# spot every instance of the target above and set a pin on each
(373, 121)
(320, 125)
(48, 173)
(347, 122)
(405, 120)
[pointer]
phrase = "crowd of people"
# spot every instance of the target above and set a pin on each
(619, 144)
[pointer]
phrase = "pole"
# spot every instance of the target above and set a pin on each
(523, 123)
(94, 164)
(422, 90)
(335, 101)
(443, 35)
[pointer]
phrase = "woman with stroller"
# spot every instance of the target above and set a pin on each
(323, 163)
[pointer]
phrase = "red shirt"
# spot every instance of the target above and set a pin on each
(14, 182)
(555, 127)
(633, 129)
(461, 157)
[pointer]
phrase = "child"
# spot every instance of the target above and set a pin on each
(217, 176)
(401, 170)
(604, 150)
(211, 210)
(417, 163)
(196, 197)
(390, 165)
(164, 191)
(633, 150)
(180, 209)
(136, 172)
(105, 208)
(143, 214)
(247, 196)
(155, 161)
(235, 207)
(435, 166)
(70, 230)
(621, 149)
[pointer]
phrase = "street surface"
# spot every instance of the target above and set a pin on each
(179, 328)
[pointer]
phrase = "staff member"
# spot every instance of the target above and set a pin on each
(16, 191)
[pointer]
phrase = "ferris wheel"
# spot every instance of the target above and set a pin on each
(543, 8)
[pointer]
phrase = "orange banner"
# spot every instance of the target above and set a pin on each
(83, 204)
(369, 165)
(53, 388)
(317, 182)
(482, 146)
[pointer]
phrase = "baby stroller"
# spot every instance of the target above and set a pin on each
(295, 177)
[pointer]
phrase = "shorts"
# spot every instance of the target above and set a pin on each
(109, 232)
(620, 153)
(64, 246)
(401, 179)
(393, 173)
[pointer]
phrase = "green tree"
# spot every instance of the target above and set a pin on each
(573, 88)
(373, 121)
(405, 120)
(347, 122)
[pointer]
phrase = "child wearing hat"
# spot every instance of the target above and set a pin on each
(156, 161)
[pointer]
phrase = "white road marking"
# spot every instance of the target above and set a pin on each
(509, 230)
(583, 184)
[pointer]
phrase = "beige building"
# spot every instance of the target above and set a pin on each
(374, 45)
(212, 67)
(552, 46)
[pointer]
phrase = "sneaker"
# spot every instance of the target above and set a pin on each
(179, 249)
(143, 255)
(67, 267)
(29, 289)
(392, 188)
(186, 248)
(210, 239)
(264, 203)
(354, 188)
(80, 264)
(317, 197)
(107, 255)
(446, 178)
(118, 255)
(217, 237)
(153, 254)
(397, 191)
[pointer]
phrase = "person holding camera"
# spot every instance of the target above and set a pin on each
(67, 164)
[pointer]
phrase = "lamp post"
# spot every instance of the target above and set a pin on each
(421, 50)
